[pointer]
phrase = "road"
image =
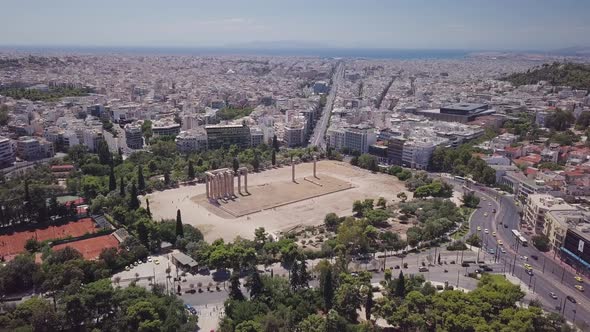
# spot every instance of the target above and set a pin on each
(318, 137)
(549, 275)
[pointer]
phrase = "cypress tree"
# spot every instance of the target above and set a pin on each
(274, 158)
(147, 204)
(140, 179)
(179, 229)
(327, 289)
(191, 170)
(112, 179)
(234, 287)
(369, 304)
(275, 143)
(133, 201)
(400, 288)
(236, 165)
(122, 188)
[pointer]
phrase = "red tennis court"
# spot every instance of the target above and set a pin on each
(14, 243)
(91, 248)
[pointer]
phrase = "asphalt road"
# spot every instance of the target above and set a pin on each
(319, 134)
(549, 275)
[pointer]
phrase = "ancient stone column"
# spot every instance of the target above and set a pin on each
(226, 184)
(231, 184)
(315, 159)
(213, 182)
(292, 170)
(239, 182)
(246, 181)
(207, 185)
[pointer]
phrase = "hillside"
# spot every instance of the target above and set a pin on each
(569, 74)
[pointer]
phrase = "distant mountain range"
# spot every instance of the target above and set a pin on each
(572, 51)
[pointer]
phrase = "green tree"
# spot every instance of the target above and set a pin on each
(402, 196)
(273, 157)
(140, 179)
(400, 288)
(147, 207)
(382, 203)
(234, 287)
(133, 200)
(368, 303)
(331, 221)
(191, 170)
(275, 143)
(327, 288)
(348, 301)
(236, 164)
(122, 187)
(179, 228)
(254, 284)
(470, 199)
(112, 179)
(541, 242)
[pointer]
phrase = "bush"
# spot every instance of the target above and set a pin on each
(458, 245)
(541, 242)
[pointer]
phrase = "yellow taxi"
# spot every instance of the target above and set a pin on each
(579, 279)
(500, 242)
(478, 229)
(528, 266)
(493, 234)
(579, 287)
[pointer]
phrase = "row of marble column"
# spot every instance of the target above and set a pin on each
(219, 184)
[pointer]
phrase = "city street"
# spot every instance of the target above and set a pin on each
(548, 275)
(318, 136)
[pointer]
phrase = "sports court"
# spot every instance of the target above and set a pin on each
(12, 244)
(91, 248)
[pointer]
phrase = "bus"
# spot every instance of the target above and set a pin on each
(520, 238)
(460, 178)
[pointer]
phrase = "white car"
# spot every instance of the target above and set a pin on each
(502, 250)
(486, 231)
(149, 258)
(485, 214)
(489, 204)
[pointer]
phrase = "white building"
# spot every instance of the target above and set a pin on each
(133, 136)
(165, 128)
(191, 141)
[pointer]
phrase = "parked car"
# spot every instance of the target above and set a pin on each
(529, 272)
(571, 299)
(464, 264)
(535, 257)
(423, 269)
(190, 291)
(553, 295)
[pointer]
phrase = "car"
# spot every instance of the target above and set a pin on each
(500, 242)
(488, 269)
(502, 250)
(494, 211)
(492, 251)
(579, 287)
(529, 272)
(578, 279)
(483, 198)
(149, 258)
(423, 269)
(135, 264)
(505, 226)
(478, 229)
(553, 295)
(396, 267)
(127, 268)
(156, 261)
(489, 204)
(486, 231)
(465, 264)
(571, 299)
(494, 234)
(527, 266)
(187, 306)
(535, 257)
(485, 214)
(190, 291)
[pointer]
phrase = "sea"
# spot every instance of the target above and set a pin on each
(369, 53)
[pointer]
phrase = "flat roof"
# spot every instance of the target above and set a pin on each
(465, 106)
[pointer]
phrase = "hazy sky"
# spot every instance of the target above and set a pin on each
(464, 24)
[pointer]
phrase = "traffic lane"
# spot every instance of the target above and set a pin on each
(542, 288)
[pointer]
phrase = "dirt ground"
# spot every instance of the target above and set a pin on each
(312, 211)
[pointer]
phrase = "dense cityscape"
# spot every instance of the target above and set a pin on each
(262, 188)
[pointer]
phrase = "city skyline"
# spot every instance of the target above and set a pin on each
(470, 25)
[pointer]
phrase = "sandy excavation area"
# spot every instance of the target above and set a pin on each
(196, 211)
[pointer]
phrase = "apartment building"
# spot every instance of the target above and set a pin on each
(557, 224)
(32, 148)
(191, 141)
(165, 128)
(219, 136)
(7, 157)
(294, 134)
(537, 205)
(133, 136)
(257, 136)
